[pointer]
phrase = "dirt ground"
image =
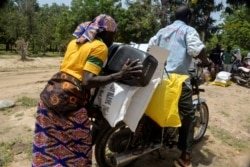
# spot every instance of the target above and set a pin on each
(226, 142)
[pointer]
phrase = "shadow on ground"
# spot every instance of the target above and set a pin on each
(166, 157)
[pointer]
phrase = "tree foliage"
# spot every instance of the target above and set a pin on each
(236, 29)
(50, 27)
(203, 21)
(202, 10)
(136, 25)
(239, 3)
(53, 27)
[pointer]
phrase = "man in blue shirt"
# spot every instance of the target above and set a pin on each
(184, 44)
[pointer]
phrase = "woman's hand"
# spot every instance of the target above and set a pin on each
(131, 69)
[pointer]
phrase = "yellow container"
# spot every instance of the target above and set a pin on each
(163, 107)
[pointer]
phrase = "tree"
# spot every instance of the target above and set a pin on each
(12, 23)
(83, 10)
(234, 5)
(236, 29)
(201, 13)
(239, 3)
(19, 22)
(64, 28)
(203, 21)
(49, 28)
(22, 48)
(53, 29)
(28, 9)
(136, 23)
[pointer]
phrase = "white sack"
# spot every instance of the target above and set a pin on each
(114, 100)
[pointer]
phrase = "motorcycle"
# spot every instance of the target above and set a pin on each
(243, 77)
(118, 146)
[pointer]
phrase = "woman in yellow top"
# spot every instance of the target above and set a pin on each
(62, 130)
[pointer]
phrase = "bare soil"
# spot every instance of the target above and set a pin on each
(226, 142)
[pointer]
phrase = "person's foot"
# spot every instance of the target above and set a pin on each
(183, 161)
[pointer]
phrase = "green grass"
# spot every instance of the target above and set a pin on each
(227, 138)
(7, 54)
(6, 154)
(28, 129)
(225, 114)
(10, 55)
(47, 54)
(6, 110)
(248, 120)
(15, 147)
(27, 101)
(19, 114)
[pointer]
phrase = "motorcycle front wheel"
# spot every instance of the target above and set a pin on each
(238, 78)
(113, 141)
(202, 117)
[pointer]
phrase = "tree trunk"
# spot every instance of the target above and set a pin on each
(22, 49)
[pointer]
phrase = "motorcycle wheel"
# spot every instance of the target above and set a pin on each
(112, 141)
(241, 75)
(239, 82)
(202, 117)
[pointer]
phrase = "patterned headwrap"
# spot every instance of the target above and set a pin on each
(87, 31)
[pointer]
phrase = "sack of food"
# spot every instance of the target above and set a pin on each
(223, 78)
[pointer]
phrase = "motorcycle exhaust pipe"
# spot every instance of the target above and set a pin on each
(125, 158)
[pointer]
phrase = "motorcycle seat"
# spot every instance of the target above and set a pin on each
(244, 69)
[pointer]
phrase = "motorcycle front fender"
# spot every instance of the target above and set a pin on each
(244, 69)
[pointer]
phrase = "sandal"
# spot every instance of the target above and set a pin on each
(180, 163)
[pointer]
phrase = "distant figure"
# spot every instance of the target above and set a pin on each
(215, 57)
(228, 59)
(237, 62)
(246, 61)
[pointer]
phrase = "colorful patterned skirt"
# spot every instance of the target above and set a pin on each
(62, 142)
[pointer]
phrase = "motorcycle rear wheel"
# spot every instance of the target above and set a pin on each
(202, 117)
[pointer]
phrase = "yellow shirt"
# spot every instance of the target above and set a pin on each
(89, 56)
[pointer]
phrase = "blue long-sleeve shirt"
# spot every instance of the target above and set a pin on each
(182, 41)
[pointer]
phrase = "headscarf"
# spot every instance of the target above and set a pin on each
(87, 31)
